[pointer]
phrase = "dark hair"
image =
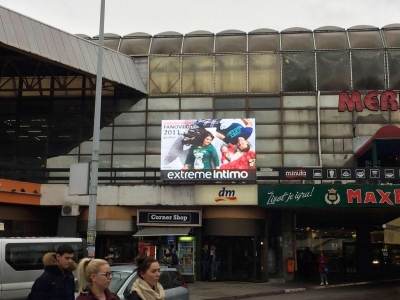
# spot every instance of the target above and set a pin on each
(143, 263)
(64, 248)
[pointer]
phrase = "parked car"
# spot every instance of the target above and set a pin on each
(21, 262)
(123, 277)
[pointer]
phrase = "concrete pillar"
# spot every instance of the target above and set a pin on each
(288, 242)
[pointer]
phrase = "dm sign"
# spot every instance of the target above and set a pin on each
(326, 195)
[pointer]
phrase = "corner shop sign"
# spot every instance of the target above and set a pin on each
(326, 195)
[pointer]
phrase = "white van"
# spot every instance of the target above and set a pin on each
(21, 262)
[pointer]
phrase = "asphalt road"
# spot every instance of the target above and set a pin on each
(386, 291)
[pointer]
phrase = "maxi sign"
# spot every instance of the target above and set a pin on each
(326, 195)
(373, 100)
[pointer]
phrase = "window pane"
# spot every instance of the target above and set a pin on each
(130, 119)
(155, 118)
(166, 45)
(265, 102)
(197, 74)
(230, 114)
(135, 46)
(86, 147)
(298, 72)
(269, 160)
(368, 69)
(154, 132)
(297, 41)
(129, 133)
(198, 44)
(394, 69)
(392, 38)
(128, 161)
(230, 43)
(300, 160)
(131, 105)
(365, 39)
(331, 40)
(104, 160)
(264, 73)
(229, 103)
(299, 116)
(153, 147)
(230, 74)
(196, 103)
(128, 147)
(164, 75)
(196, 115)
(266, 117)
(261, 42)
(153, 161)
(163, 104)
(333, 71)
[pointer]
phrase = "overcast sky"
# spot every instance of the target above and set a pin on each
(155, 16)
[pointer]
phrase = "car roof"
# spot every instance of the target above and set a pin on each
(132, 267)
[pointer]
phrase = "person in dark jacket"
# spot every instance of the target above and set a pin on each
(94, 277)
(57, 280)
(147, 287)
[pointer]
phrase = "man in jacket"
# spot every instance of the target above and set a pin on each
(57, 280)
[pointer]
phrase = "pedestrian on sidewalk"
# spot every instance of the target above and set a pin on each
(214, 263)
(146, 286)
(323, 268)
(94, 277)
(205, 263)
(57, 280)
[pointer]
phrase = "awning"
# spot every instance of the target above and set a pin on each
(35, 38)
(162, 231)
(388, 132)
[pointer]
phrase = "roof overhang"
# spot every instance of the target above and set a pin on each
(34, 38)
(389, 132)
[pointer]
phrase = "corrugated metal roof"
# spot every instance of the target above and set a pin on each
(36, 38)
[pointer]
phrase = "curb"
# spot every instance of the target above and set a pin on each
(261, 294)
(300, 290)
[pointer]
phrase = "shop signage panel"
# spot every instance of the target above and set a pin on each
(329, 196)
(225, 194)
(208, 150)
(169, 217)
(316, 173)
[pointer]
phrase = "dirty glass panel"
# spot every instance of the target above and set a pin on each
(197, 74)
(333, 71)
(135, 46)
(264, 73)
(331, 40)
(365, 39)
(261, 42)
(198, 44)
(394, 69)
(368, 69)
(230, 74)
(230, 43)
(298, 72)
(164, 75)
(297, 41)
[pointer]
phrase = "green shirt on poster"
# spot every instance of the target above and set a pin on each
(202, 157)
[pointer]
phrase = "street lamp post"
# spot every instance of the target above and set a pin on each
(94, 165)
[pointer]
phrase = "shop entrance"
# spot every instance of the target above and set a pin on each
(237, 258)
(356, 244)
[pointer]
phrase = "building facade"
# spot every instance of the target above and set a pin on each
(321, 99)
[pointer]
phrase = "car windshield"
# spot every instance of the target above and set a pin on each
(118, 279)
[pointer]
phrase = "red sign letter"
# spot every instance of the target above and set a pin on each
(348, 103)
(351, 194)
(371, 101)
(370, 198)
(384, 197)
(389, 100)
(397, 196)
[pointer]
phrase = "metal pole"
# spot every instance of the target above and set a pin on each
(94, 165)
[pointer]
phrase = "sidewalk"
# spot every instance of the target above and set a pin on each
(226, 290)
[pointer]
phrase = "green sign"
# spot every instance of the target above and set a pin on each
(327, 195)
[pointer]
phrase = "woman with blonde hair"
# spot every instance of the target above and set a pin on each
(94, 277)
(146, 286)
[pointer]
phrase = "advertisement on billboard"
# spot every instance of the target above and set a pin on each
(208, 150)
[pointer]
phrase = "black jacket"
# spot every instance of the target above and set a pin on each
(53, 284)
(134, 296)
